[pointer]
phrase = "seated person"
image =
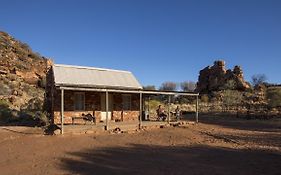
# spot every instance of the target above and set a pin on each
(177, 113)
(161, 113)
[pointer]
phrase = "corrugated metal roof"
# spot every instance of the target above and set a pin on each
(68, 75)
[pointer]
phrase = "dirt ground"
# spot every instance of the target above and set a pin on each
(217, 145)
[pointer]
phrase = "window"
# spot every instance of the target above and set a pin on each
(126, 102)
(79, 101)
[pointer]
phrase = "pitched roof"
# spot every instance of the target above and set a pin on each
(68, 75)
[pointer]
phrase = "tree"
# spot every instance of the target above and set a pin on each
(188, 86)
(168, 86)
(258, 79)
(149, 87)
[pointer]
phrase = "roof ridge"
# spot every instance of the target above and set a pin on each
(90, 68)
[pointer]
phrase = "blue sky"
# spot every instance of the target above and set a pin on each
(158, 40)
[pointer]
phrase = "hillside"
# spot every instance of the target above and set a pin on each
(22, 77)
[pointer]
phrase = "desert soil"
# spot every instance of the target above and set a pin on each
(217, 145)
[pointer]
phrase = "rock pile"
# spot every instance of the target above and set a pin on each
(216, 77)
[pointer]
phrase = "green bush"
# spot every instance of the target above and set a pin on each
(34, 55)
(5, 111)
(204, 98)
(274, 97)
(34, 104)
(4, 103)
(41, 118)
(34, 118)
(231, 98)
(153, 105)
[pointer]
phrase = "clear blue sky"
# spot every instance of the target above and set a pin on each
(158, 40)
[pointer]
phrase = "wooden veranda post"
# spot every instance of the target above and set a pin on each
(140, 111)
(106, 109)
(197, 108)
(62, 110)
(169, 103)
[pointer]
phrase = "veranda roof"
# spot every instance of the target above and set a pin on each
(78, 76)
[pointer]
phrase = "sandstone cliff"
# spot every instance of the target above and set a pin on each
(22, 75)
(216, 77)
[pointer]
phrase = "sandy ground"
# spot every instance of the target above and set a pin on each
(215, 146)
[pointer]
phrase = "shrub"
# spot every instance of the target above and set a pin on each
(230, 85)
(5, 89)
(204, 98)
(274, 97)
(12, 77)
(153, 105)
(4, 103)
(34, 104)
(33, 118)
(5, 112)
(231, 98)
(25, 46)
(34, 55)
(42, 82)
(41, 118)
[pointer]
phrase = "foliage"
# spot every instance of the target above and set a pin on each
(5, 89)
(274, 97)
(149, 87)
(4, 103)
(230, 85)
(34, 55)
(5, 112)
(204, 98)
(231, 98)
(34, 104)
(25, 46)
(258, 79)
(42, 82)
(188, 86)
(168, 86)
(153, 104)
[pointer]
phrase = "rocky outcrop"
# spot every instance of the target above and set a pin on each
(22, 73)
(216, 77)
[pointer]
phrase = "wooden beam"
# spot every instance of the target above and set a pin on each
(140, 119)
(106, 109)
(130, 91)
(62, 111)
(169, 102)
(197, 109)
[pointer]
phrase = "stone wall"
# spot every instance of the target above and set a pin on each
(93, 107)
(125, 116)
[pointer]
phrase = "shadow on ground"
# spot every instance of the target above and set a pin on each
(231, 121)
(145, 159)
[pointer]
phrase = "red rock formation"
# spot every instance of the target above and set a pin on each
(216, 77)
(21, 72)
